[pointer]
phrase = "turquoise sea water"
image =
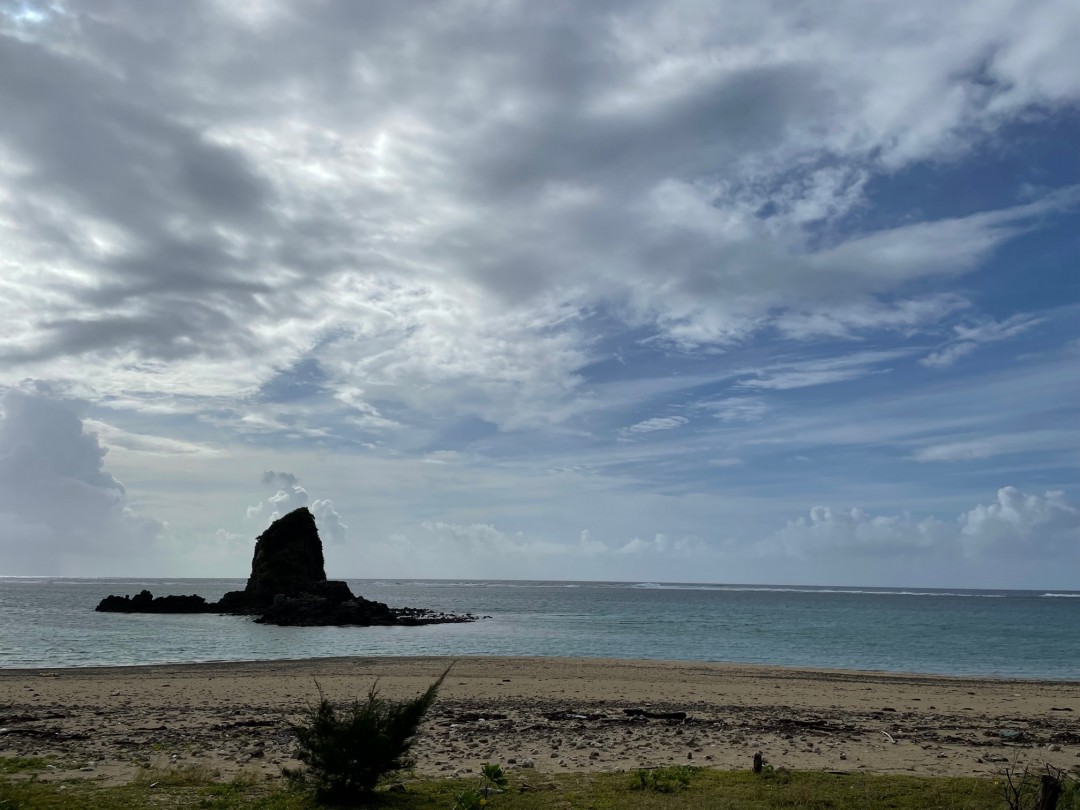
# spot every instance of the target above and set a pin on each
(1030, 634)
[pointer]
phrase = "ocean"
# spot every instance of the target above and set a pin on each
(1027, 634)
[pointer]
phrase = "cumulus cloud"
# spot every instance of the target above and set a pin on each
(291, 495)
(663, 546)
(59, 507)
(854, 531)
(329, 521)
(281, 479)
(1020, 524)
(485, 539)
(1015, 524)
(479, 539)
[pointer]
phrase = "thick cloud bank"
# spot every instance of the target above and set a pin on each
(457, 189)
(59, 507)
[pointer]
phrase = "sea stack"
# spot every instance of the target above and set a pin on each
(287, 564)
(288, 586)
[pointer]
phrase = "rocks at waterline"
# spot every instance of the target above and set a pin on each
(146, 602)
(288, 587)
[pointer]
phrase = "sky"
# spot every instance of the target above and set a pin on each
(734, 292)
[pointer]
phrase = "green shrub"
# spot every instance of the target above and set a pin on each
(664, 780)
(347, 752)
(492, 781)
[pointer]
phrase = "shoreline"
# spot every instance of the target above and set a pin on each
(563, 714)
(741, 666)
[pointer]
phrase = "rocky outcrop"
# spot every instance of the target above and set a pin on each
(288, 564)
(146, 602)
(317, 612)
(287, 587)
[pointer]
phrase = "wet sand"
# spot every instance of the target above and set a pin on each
(547, 714)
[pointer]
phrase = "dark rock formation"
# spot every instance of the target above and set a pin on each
(358, 611)
(287, 586)
(288, 563)
(145, 602)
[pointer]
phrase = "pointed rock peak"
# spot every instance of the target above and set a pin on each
(288, 559)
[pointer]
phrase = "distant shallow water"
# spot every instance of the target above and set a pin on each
(50, 622)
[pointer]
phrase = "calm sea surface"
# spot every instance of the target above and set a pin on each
(1032, 634)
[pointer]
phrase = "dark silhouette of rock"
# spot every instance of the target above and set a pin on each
(288, 587)
(288, 562)
(145, 602)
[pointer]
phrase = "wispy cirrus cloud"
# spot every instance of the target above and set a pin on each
(968, 338)
(821, 371)
(654, 424)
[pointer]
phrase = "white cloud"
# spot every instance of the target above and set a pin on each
(736, 409)
(118, 439)
(956, 451)
(289, 496)
(1014, 525)
(831, 531)
(59, 507)
(1020, 524)
(848, 320)
(820, 371)
(1030, 440)
(478, 539)
(967, 339)
(329, 521)
(676, 171)
(484, 540)
(377, 235)
(654, 424)
(663, 546)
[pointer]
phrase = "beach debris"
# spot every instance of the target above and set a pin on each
(572, 716)
(1012, 735)
(478, 717)
(889, 737)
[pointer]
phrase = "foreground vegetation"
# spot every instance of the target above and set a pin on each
(195, 788)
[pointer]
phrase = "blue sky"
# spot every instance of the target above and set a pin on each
(701, 292)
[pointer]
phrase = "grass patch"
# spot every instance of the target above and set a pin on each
(9, 765)
(706, 789)
(187, 776)
(671, 779)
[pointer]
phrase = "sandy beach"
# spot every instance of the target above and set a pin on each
(548, 714)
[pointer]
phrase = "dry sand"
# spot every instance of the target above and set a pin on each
(550, 714)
